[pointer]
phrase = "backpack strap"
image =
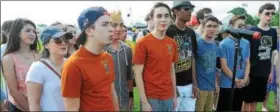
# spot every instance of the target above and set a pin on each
(45, 63)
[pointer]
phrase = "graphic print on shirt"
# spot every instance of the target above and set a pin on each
(209, 62)
(265, 47)
(169, 48)
(106, 66)
(185, 53)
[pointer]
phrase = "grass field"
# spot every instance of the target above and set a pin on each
(270, 105)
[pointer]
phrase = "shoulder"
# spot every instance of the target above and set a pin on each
(8, 58)
(37, 65)
(144, 39)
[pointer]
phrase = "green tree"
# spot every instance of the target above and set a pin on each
(275, 19)
(241, 11)
(42, 25)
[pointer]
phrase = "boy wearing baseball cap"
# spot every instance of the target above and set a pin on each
(88, 75)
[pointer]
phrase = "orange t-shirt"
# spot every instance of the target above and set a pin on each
(89, 77)
(157, 57)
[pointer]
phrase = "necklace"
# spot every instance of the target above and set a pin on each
(27, 56)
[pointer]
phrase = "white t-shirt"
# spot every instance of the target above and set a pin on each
(51, 99)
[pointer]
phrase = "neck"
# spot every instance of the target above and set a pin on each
(57, 60)
(150, 28)
(180, 24)
(71, 49)
(263, 25)
(115, 44)
(158, 34)
(94, 47)
(24, 48)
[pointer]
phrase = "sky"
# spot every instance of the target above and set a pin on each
(47, 12)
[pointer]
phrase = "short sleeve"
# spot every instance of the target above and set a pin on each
(71, 80)
(140, 53)
(222, 50)
(35, 73)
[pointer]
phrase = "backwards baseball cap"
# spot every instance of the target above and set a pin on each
(86, 18)
(53, 32)
(177, 4)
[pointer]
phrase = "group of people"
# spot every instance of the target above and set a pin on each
(174, 67)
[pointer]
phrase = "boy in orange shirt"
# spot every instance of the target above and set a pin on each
(87, 80)
(154, 59)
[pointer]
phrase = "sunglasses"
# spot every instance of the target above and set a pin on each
(66, 39)
(189, 9)
(269, 13)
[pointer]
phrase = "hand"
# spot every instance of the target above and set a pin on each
(195, 91)
(130, 104)
(238, 83)
(174, 103)
(146, 106)
(217, 90)
(243, 83)
(270, 78)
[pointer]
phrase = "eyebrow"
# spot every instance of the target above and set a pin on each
(106, 22)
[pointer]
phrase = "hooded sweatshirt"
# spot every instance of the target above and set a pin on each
(123, 71)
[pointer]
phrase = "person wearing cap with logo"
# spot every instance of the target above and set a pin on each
(43, 77)
(87, 79)
(185, 67)
(122, 55)
(154, 58)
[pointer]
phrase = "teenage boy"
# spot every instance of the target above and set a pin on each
(87, 79)
(207, 52)
(260, 52)
(186, 41)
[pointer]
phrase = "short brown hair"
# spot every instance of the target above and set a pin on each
(235, 18)
(267, 6)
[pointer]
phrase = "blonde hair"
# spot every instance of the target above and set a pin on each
(116, 16)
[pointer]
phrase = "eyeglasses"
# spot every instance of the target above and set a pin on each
(189, 9)
(58, 41)
(269, 13)
(211, 26)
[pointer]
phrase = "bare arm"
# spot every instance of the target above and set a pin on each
(115, 97)
(225, 68)
(194, 72)
(11, 80)
(173, 79)
(247, 69)
(139, 82)
(278, 67)
(71, 104)
(34, 91)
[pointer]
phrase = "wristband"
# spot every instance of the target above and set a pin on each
(130, 94)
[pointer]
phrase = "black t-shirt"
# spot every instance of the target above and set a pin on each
(261, 52)
(187, 45)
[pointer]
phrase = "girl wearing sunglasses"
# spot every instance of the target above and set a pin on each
(43, 77)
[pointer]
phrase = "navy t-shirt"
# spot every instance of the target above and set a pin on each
(261, 52)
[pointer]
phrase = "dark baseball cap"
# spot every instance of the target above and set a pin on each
(182, 4)
(52, 32)
(86, 18)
